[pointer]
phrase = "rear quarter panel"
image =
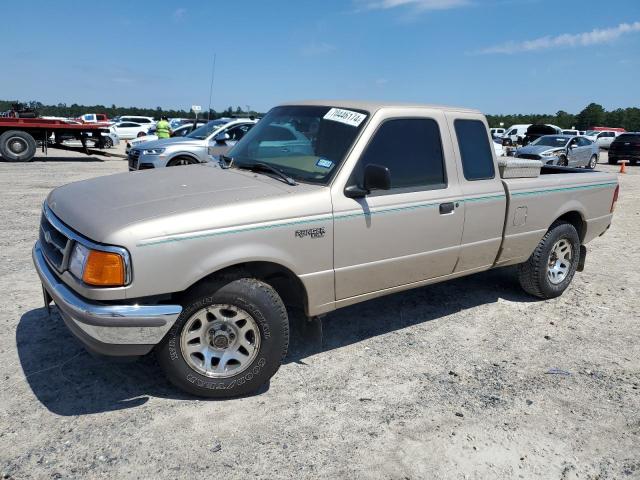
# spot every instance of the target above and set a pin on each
(533, 204)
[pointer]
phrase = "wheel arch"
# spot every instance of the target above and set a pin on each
(575, 218)
(283, 280)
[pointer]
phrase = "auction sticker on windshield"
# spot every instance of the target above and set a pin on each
(345, 116)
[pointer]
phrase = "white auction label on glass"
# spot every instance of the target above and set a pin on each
(345, 116)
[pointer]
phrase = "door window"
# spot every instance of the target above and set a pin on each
(237, 132)
(475, 152)
(411, 148)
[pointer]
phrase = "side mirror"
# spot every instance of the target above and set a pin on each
(376, 177)
(221, 137)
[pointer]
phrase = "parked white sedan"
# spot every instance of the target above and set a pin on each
(126, 130)
(182, 131)
(602, 138)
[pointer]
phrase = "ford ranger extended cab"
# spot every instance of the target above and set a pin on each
(321, 205)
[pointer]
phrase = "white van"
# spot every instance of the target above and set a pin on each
(497, 132)
(137, 119)
(516, 133)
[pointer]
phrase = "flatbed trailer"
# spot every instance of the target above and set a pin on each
(19, 137)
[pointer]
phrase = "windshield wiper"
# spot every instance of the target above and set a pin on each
(225, 161)
(265, 166)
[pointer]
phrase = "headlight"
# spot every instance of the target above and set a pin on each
(78, 258)
(97, 268)
(552, 153)
(153, 151)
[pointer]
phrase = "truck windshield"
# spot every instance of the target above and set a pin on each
(551, 141)
(307, 143)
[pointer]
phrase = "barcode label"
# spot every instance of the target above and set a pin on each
(345, 116)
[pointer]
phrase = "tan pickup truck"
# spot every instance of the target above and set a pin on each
(321, 205)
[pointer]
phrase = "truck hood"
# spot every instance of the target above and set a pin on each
(99, 207)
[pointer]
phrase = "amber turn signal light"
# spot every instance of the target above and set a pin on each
(104, 269)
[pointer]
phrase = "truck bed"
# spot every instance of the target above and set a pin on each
(578, 194)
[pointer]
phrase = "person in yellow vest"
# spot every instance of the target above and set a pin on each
(163, 130)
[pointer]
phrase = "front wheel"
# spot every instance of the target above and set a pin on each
(551, 267)
(562, 161)
(228, 341)
(181, 161)
(593, 162)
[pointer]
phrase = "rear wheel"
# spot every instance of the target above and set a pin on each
(176, 162)
(593, 162)
(551, 267)
(17, 146)
(229, 340)
(612, 161)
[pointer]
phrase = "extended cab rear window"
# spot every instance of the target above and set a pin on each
(475, 151)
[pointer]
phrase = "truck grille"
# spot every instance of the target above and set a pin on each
(134, 156)
(528, 156)
(54, 243)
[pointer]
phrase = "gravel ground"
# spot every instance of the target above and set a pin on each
(446, 381)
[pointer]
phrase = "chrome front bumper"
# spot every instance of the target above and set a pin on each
(107, 329)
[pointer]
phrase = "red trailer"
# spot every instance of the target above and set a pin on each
(20, 137)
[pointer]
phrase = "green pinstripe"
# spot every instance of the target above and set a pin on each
(347, 216)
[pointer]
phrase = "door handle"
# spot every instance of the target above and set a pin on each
(446, 208)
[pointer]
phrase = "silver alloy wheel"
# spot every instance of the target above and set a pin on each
(220, 341)
(559, 261)
(182, 161)
(17, 145)
(593, 162)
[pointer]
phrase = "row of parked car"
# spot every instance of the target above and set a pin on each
(574, 148)
(518, 134)
(189, 144)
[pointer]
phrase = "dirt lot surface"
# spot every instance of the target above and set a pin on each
(447, 381)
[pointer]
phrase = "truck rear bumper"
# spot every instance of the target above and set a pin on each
(106, 329)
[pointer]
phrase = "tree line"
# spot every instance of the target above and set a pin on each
(593, 115)
(75, 110)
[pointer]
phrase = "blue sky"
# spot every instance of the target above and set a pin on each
(501, 56)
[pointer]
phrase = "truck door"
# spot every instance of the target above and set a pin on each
(411, 232)
(483, 194)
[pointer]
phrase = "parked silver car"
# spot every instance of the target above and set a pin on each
(210, 140)
(564, 150)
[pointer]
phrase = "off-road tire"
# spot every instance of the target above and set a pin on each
(267, 310)
(532, 274)
(17, 146)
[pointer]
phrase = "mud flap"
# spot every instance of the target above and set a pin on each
(47, 300)
(583, 258)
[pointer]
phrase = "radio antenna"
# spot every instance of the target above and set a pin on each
(213, 73)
